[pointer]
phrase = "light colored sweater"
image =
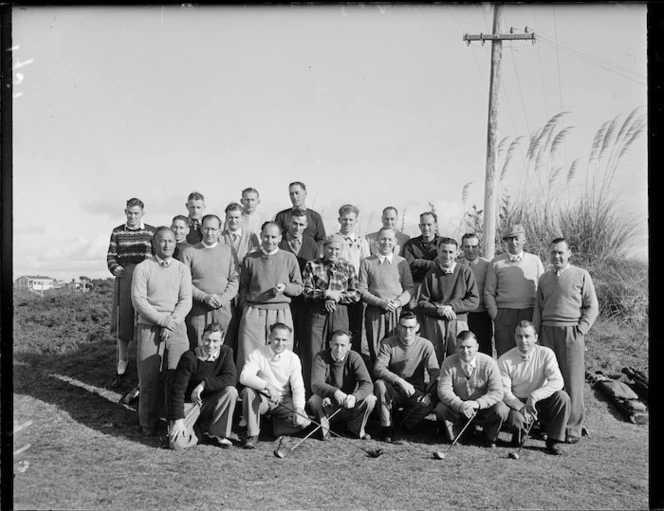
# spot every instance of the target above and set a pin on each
(261, 273)
(511, 285)
(536, 377)
(159, 292)
(283, 371)
(213, 271)
(483, 386)
(380, 282)
(568, 300)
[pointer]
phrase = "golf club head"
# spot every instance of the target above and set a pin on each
(437, 455)
(513, 455)
(374, 453)
(279, 454)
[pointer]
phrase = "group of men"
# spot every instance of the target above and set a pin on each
(303, 326)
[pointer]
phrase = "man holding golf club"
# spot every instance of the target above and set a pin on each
(272, 379)
(340, 381)
(470, 388)
(533, 388)
(203, 394)
(399, 373)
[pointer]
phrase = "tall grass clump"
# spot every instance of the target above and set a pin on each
(555, 199)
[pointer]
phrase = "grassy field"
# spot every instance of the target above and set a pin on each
(86, 452)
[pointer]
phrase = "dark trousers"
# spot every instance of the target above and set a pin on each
(552, 411)
(481, 325)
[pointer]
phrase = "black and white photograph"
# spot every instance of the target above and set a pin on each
(327, 256)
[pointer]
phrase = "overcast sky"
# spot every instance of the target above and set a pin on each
(370, 105)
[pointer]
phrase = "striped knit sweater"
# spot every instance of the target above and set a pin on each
(129, 246)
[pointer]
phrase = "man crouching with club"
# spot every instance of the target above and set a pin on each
(399, 372)
(340, 380)
(469, 387)
(272, 376)
(205, 377)
(533, 387)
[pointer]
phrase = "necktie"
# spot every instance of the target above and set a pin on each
(467, 370)
(296, 244)
(235, 237)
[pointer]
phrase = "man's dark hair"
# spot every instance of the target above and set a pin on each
(524, 323)
(269, 223)
(448, 241)
(250, 190)
(298, 183)
(390, 208)
(160, 229)
(280, 326)
(213, 327)
(195, 196)
(342, 331)
(407, 315)
(135, 202)
(180, 217)
(465, 335)
(435, 217)
(469, 235)
(233, 206)
(210, 217)
(297, 212)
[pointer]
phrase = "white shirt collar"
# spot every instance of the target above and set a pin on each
(563, 270)
(270, 253)
(516, 257)
(470, 365)
(382, 257)
(201, 354)
(164, 262)
(238, 232)
(473, 262)
(450, 269)
(210, 246)
(140, 226)
(352, 236)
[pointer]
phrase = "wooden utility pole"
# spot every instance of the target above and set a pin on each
(496, 39)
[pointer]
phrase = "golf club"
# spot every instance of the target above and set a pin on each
(437, 455)
(372, 453)
(427, 391)
(281, 454)
(515, 455)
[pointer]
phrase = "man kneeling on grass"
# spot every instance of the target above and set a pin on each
(399, 373)
(533, 387)
(340, 380)
(203, 394)
(272, 376)
(469, 385)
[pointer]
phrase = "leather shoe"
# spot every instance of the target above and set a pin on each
(366, 436)
(250, 442)
(553, 447)
(149, 431)
(570, 439)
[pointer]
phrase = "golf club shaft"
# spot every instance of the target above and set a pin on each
(314, 430)
(419, 400)
(316, 423)
(462, 431)
(523, 440)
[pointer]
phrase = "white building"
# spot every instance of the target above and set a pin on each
(36, 283)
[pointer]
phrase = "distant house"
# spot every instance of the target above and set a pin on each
(35, 282)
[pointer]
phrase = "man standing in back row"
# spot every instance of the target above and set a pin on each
(565, 309)
(390, 219)
(509, 290)
(297, 192)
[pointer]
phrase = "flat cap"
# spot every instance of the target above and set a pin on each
(333, 238)
(514, 230)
